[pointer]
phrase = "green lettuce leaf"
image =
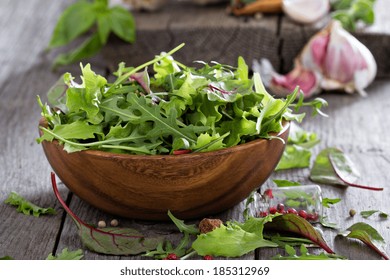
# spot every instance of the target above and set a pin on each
(67, 255)
(234, 239)
(26, 207)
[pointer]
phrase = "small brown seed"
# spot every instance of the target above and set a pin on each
(102, 224)
(114, 223)
(207, 225)
(352, 212)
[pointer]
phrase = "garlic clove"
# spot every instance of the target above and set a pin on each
(348, 61)
(308, 81)
(331, 60)
(306, 11)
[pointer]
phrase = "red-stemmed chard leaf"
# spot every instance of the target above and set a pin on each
(334, 167)
(368, 235)
(294, 224)
(110, 240)
(346, 171)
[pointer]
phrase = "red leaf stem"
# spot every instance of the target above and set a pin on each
(336, 170)
(78, 221)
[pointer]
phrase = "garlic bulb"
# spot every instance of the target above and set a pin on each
(332, 60)
(306, 11)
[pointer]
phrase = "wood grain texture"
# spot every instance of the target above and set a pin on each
(146, 187)
(210, 34)
(359, 126)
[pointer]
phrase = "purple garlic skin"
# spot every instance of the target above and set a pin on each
(332, 60)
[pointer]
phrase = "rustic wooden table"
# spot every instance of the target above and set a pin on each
(359, 126)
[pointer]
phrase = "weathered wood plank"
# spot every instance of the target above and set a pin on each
(210, 35)
(357, 125)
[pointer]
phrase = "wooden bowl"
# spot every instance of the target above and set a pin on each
(147, 186)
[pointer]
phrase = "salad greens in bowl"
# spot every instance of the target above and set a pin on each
(147, 143)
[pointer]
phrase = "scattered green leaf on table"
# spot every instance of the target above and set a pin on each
(305, 255)
(190, 229)
(333, 167)
(297, 153)
(6, 258)
(26, 207)
(285, 183)
(368, 235)
(369, 213)
(110, 240)
(67, 255)
(234, 239)
(327, 202)
(325, 223)
(294, 156)
(295, 224)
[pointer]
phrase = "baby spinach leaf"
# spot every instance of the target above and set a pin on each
(368, 235)
(295, 224)
(67, 255)
(26, 207)
(111, 240)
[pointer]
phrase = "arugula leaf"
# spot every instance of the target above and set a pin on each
(26, 207)
(67, 255)
(190, 229)
(368, 235)
(166, 248)
(305, 255)
(177, 108)
(110, 240)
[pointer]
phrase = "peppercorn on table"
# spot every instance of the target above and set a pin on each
(360, 126)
